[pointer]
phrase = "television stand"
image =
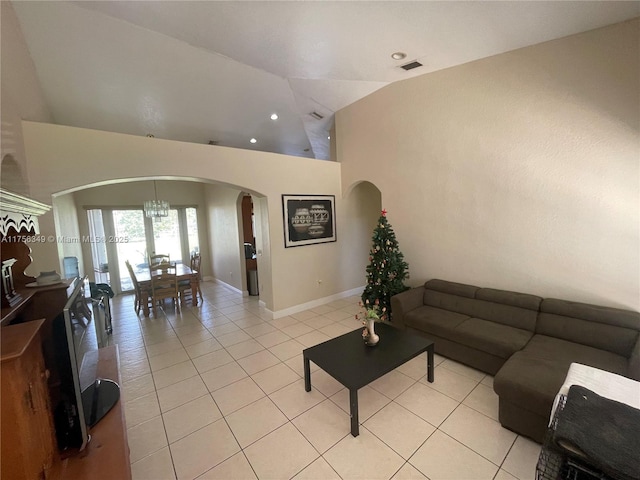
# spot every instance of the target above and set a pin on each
(98, 398)
(106, 456)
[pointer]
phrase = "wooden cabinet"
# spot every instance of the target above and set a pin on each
(29, 448)
(28, 443)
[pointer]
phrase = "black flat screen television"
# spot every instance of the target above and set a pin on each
(84, 398)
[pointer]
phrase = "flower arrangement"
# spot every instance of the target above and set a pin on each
(367, 313)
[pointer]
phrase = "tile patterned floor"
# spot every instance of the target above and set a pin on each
(216, 392)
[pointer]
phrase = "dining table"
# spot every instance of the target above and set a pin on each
(183, 272)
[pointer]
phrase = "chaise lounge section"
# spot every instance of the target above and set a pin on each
(566, 332)
(527, 342)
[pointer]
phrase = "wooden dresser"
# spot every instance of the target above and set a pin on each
(28, 439)
(31, 385)
(30, 373)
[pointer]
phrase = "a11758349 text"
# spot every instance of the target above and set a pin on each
(64, 239)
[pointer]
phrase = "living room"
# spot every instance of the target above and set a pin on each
(518, 171)
(541, 154)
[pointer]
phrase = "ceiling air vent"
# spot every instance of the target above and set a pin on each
(316, 115)
(214, 142)
(411, 65)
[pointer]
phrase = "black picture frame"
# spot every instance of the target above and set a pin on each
(308, 219)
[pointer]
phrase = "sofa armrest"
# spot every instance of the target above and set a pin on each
(404, 302)
(634, 361)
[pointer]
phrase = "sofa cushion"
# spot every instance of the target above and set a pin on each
(593, 313)
(491, 337)
(521, 318)
(452, 303)
(613, 339)
(506, 297)
(459, 289)
(498, 312)
(530, 382)
(532, 377)
(434, 320)
(600, 327)
(567, 352)
(519, 310)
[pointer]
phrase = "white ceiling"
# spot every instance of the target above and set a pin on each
(197, 71)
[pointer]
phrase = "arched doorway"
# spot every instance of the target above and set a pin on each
(212, 207)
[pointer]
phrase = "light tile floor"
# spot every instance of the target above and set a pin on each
(216, 392)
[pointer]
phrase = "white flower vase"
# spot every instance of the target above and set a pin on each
(372, 339)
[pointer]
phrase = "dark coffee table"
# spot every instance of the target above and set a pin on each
(347, 359)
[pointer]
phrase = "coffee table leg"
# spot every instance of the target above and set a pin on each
(430, 362)
(353, 406)
(307, 375)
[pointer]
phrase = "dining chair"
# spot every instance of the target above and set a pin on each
(196, 261)
(160, 259)
(184, 286)
(142, 294)
(163, 286)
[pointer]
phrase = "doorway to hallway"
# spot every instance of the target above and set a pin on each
(248, 232)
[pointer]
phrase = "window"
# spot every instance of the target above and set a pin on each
(176, 235)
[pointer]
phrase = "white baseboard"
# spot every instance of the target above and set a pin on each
(231, 287)
(314, 303)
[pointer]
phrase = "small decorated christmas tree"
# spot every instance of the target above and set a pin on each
(387, 271)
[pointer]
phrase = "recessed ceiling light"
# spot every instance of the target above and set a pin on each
(274, 116)
(399, 55)
(329, 137)
(253, 140)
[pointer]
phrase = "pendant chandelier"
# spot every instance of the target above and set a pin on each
(156, 208)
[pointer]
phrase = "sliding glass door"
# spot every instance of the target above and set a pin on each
(129, 235)
(98, 249)
(128, 226)
(166, 236)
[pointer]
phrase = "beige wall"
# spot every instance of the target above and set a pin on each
(519, 171)
(360, 218)
(224, 237)
(263, 246)
(62, 159)
(66, 221)
(21, 94)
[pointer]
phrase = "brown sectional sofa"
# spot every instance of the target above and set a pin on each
(527, 342)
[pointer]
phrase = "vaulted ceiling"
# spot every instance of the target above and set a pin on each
(204, 71)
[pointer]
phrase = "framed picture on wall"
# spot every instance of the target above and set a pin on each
(308, 219)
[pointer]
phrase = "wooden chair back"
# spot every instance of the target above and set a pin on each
(160, 259)
(186, 287)
(132, 274)
(164, 286)
(196, 261)
(142, 295)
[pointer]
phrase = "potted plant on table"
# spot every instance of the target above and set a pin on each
(369, 315)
